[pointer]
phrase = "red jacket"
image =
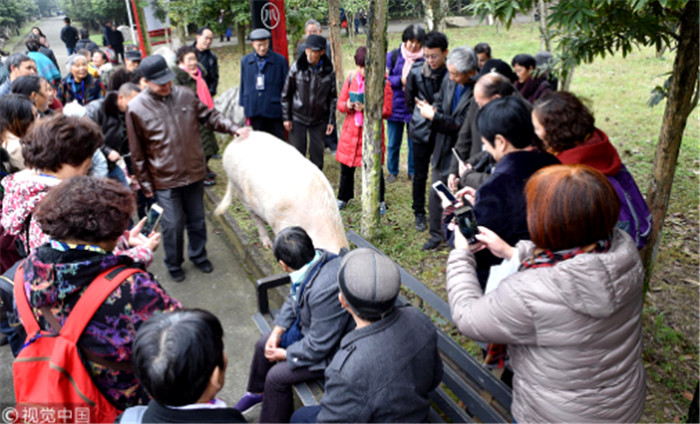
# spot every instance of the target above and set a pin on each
(349, 150)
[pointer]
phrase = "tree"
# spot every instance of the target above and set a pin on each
(435, 13)
(14, 13)
(298, 12)
(336, 44)
(594, 28)
(46, 7)
(93, 13)
(372, 128)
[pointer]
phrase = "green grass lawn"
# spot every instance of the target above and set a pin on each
(617, 89)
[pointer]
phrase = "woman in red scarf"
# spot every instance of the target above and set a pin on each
(349, 153)
(190, 74)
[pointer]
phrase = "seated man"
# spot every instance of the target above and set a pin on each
(384, 369)
(307, 330)
(179, 359)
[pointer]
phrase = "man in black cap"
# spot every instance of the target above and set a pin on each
(385, 368)
(166, 152)
(132, 60)
(263, 73)
(309, 100)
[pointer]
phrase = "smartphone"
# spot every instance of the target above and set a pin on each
(439, 186)
(152, 220)
(466, 221)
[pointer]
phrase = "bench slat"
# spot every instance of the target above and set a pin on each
(481, 375)
(475, 404)
(448, 407)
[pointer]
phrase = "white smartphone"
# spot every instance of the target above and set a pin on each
(152, 220)
(439, 186)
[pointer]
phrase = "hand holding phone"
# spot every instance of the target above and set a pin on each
(441, 188)
(152, 220)
(466, 221)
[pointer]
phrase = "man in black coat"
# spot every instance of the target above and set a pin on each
(114, 39)
(69, 36)
(447, 115)
(386, 367)
(206, 58)
(309, 99)
(423, 83)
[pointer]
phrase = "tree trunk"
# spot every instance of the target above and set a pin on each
(435, 12)
(678, 106)
(544, 31)
(240, 38)
(336, 44)
(181, 33)
(566, 78)
(429, 17)
(351, 26)
(374, 103)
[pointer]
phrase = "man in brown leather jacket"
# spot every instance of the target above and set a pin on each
(166, 151)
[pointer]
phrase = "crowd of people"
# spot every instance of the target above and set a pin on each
(551, 277)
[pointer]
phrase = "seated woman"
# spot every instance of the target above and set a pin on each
(307, 329)
(84, 217)
(79, 85)
(571, 315)
(349, 152)
(16, 115)
(191, 344)
(567, 129)
(55, 148)
(529, 86)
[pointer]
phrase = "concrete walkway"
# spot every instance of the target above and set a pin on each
(227, 292)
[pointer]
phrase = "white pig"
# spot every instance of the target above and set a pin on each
(278, 185)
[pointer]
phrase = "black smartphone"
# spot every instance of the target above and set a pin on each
(466, 221)
(439, 186)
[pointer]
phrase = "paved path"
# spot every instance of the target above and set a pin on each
(227, 292)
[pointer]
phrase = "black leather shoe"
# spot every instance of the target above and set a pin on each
(206, 266)
(420, 222)
(432, 244)
(177, 275)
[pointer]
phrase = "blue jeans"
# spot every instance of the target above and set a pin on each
(71, 50)
(395, 135)
(117, 174)
(306, 414)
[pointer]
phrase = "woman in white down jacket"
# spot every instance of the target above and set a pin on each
(571, 315)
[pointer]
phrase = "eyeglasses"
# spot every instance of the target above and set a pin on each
(432, 56)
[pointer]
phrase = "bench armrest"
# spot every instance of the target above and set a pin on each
(263, 285)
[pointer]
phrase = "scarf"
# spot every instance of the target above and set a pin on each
(410, 59)
(360, 115)
(548, 258)
(202, 89)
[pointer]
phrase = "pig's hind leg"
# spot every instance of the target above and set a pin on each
(262, 230)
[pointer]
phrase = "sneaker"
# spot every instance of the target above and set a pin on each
(211, 175)
(382, 208)
(209, 182)
(206, 266)
(391, 178)
(420, 222)
(248, 401)
(341, 205)
(177, 275)
(432, 244)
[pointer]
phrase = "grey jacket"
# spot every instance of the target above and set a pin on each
(447, 122)
(384, 372)
(322, 319)
(573, 332)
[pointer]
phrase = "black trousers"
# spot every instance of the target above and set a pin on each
(435, 208)
(317, 136)
(346, 188)
(275, 380)
(272, 126)
(421, 165)
(183, 208)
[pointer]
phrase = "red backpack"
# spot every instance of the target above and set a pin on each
(49, 376)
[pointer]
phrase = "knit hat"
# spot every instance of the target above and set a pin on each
(369, 282)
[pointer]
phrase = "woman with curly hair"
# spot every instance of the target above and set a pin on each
(83, 218)
(567, 128)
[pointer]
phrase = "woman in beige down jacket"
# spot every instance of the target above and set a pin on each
(571, 315)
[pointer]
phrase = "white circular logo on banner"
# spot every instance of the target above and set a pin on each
(270, 15)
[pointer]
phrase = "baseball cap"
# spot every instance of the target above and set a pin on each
(155, 69)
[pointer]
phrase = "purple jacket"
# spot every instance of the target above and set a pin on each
(400, 112)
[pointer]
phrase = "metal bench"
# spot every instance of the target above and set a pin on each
(469, 391)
